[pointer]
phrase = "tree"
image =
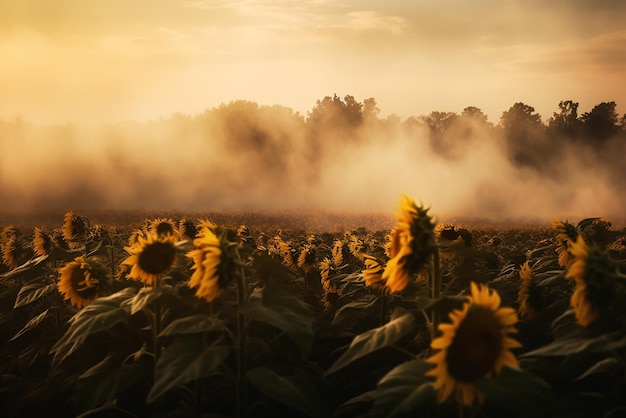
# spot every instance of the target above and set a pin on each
(602, 122)
(473, 113)
(566, 122)
(523, 131)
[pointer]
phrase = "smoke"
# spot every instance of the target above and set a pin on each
(243, 157)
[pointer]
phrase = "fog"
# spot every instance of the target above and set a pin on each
(245, 157)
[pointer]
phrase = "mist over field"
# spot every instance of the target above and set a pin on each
(341, 156)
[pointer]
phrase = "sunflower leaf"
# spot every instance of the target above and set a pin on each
(186, 360)
(30, 324)
(375, 339)
(101, 314)
(405, 391)
(280, 308)
(295, 391)
(515, 392)
(31, 292)
(193, 324)
(144, 297)
(569, 346)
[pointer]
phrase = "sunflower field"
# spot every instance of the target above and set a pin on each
(187, 317)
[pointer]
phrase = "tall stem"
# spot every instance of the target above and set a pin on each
(241, 342)
(436, 287)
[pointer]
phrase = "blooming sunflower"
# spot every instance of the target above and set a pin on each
(212, 264)
(474, 345)
(529, 295)
(151, 257)
(373, 273)
(593, 274)
(566, 234)
(412, 244)
(164, 226)
(81, 281)
(356, 247)
(42, 242)
(74, 229)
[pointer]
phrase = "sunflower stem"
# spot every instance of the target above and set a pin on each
(436, 287)
(241, 342)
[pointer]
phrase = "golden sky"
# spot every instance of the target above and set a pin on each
(106, 61)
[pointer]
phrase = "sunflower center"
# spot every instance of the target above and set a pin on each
(476, 345)
(164, 228)
(83, 288)
(157, 257)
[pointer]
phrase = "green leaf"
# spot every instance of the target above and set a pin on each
(516, 391)
(280, 308)
(568, 346)
(144, 297)
(101, 314)
(361, 306)
(31, 292)
(565, 326)
(31, 324)
(375, 339)
(186, 360)
(295, 391)
(405, 390)
(104, 381)
(194, 324)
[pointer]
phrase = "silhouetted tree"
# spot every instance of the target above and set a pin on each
(475, 114)
(565, 122)
(523, 131)
(602, 122)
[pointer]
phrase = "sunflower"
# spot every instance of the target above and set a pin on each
(306, 259)
(74, 229)
(412, 244)
(373, 273)
(15, 253)
(338, 252)
(212, 265)
(164, 226)
(285, 252)
(81, 281)
(529, 296)
(151, 258)
(356, 247)
(593, 274)
(325, 267)
(42, 242)
(473, 346)
(7, 233)
(187, 229)
(566, 234)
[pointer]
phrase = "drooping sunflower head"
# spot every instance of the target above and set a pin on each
(135, 235)
(529, 295)
(15, 252)
(82, 280)
(75, 229)
(412, 244)
(164, 226)
(213, 263)
(356, 247)
(285, 252)
(373, 273)
(338, 252)
(593, 273)
(187, 229)
(151, 258)
(7, 233)
(42, 242)
(306, 259)
(474, 345)
(325, 269)
(565, 235)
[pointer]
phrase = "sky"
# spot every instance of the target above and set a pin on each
(72, 61)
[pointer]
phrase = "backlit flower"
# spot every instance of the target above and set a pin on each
(474, 345)
(412, 244)
(151, 258)
(81, 281)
